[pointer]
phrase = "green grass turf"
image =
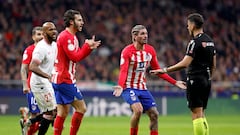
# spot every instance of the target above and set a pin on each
(168, 125)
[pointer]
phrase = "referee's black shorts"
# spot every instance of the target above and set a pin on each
(198, 90)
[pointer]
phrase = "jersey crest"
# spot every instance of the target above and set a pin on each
(71, 47)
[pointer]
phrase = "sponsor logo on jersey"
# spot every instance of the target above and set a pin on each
(71, 47)
(205, 44)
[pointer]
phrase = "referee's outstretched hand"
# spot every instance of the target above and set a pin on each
(181, 85)
(157, 71)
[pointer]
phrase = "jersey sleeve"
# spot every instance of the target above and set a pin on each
(154, 65)
(39, 53)
(27, 56)
(191, 48)
(124, 64)
(73, 52)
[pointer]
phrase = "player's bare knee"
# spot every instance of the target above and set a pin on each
(153, 114)
(137, 112)
(81, 109)
(62, 112)
(197, 112)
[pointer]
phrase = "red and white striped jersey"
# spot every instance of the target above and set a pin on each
(133, 66)
(68, 54)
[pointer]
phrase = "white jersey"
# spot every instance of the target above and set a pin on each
(46, 55)
(40, 86)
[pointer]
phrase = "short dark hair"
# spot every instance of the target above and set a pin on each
(197, 19)
(69, 15)
(35, 29)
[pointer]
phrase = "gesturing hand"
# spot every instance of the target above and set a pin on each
(181, 85)
(92, 43)
(117, 91)
(157, 71)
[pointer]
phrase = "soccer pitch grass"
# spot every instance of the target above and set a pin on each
(168, 125)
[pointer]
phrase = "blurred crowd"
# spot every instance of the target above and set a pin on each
(111, 21)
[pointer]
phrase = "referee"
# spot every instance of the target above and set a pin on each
(200, 59)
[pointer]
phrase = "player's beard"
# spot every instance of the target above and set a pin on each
(50, 38)
(76, 26)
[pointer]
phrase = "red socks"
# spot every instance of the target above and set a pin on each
(133, 131)
(58, 125)
(33, 128)
(75, 123)
(153, 132)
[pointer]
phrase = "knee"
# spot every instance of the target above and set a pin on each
(62, 113)
(197, 113)
(137, 112)
(81, 109)
(154, 115)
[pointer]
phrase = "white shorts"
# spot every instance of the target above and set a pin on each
(45, 97)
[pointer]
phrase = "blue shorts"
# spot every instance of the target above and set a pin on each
(32, 104)
(132, 96)
(66, 93)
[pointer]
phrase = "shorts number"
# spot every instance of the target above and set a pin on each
(33, 101)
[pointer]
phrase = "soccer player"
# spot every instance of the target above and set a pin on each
(25, 75)
(42, 65)
(69, 53)
(200, 59)
(135, 59)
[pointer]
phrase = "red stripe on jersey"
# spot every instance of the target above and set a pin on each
(144, 78)
(140, 75)
(74, 71)
(133, 71)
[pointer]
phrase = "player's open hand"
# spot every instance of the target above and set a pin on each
(157, 71)
(181, 85)
(117, 91)
(92, 43)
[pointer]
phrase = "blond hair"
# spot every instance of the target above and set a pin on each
(136, 29)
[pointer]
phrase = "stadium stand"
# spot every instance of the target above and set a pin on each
(111, 21)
